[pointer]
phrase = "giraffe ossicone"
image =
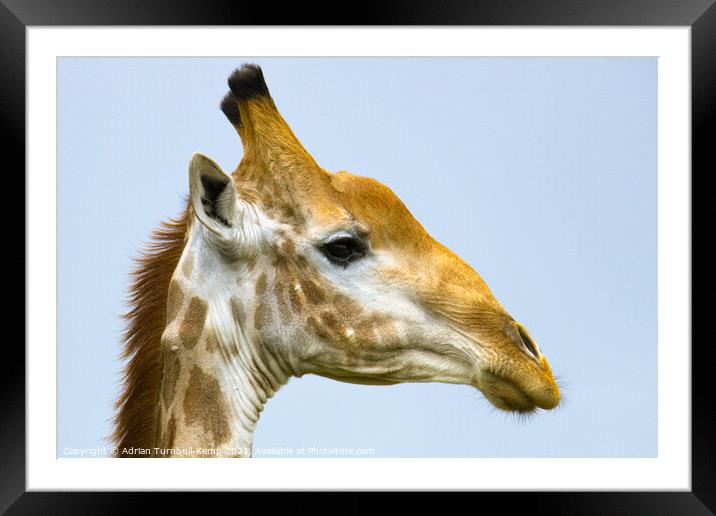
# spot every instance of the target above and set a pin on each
(282, 269)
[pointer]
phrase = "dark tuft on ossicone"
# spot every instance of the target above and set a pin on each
(231, 109)
(248, 82)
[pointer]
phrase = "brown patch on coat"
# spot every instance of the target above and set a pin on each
(330, 321)
(159, 430)
(170, 435)
(333, 328)
(261, 284)
(175, 298)
(193, 323)
(315, 327)
(188, 266)
(288, 247)
(287, 213)
(314, 292)
(172, 369)
(346, 307)
(261, 316)
(279, 288)
(365, 332)
(283, 284)
(297, 299)
(282, 304)
(212, 342)
(205, 405)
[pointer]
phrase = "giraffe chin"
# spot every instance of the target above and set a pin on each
(509, 396)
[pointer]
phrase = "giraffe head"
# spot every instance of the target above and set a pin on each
(330, 274)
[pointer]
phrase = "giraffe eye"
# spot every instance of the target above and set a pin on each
(343, 250)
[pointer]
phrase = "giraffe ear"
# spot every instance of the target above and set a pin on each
(213, 196)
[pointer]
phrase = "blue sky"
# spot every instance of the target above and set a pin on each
(539, 172)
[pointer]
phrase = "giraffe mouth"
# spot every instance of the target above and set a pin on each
(508, 395)
(512, 400)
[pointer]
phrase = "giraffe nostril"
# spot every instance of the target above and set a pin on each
(527, 341)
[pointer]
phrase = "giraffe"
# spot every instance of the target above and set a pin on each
(282, 269)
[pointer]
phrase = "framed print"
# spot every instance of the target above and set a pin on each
(399, 256)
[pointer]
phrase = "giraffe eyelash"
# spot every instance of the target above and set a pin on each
(343, 250)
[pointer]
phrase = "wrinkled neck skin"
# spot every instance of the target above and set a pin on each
(218, 374)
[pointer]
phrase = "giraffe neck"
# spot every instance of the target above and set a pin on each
(217, 374)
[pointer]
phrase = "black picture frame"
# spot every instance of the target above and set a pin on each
(700, 15)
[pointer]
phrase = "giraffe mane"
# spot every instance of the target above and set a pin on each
(135, 420)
